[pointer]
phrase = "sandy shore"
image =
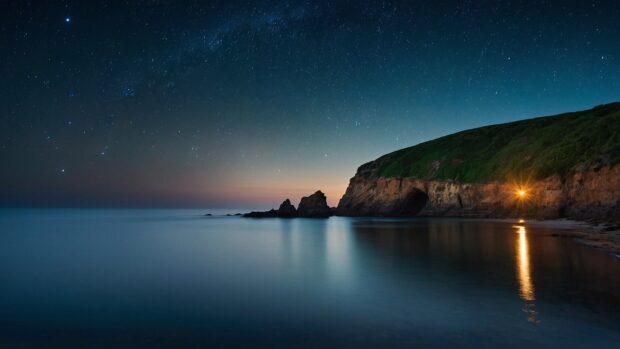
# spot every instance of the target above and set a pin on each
(604, 236)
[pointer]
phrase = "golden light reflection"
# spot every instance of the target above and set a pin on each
(523, 267)
(526, 286)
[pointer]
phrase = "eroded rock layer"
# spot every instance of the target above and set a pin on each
(588, 194)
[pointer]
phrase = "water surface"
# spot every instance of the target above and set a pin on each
(176, 279)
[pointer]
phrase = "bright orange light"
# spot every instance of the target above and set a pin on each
(521, 193)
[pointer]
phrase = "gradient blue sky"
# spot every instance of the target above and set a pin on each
(245, 103)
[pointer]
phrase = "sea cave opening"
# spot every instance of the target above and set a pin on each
(414, 202)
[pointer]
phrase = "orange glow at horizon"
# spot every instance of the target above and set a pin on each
(272, 196)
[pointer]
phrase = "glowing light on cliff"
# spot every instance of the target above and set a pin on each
(521, 193)
(520, 189)
(526, 286)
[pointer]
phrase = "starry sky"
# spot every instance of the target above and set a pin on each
(245, 103)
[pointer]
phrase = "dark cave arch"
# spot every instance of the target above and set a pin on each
(413, 203)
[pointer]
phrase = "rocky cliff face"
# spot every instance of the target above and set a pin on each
(573, 160)
(588, 194)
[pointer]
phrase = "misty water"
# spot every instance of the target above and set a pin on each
(177, 279)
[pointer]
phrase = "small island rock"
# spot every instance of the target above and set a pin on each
(287, 209)
(314, 205)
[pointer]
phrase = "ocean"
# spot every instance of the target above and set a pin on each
(131, 278)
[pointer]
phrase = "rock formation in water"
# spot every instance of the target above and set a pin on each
(262, 214)
(550, 167)
(314, 205)
(287, 209)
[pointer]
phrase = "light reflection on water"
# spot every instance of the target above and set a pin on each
(526, 285)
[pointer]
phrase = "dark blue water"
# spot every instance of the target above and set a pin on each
(174, 279)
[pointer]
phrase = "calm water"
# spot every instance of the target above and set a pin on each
(171, 278)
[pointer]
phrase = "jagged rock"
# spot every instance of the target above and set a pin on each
(263, 214)
(287, 209)
(314, 205)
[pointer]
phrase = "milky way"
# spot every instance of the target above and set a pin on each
(230, 103)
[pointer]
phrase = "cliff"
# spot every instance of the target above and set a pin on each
(548, 167)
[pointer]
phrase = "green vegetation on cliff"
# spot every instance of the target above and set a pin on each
(533, 148)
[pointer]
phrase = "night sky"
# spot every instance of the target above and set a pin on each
(242, 104)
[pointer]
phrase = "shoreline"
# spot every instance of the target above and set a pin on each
(602, 236)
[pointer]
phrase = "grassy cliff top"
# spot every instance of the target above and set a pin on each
(532, 148)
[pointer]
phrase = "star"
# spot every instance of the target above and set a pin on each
(67, 19)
